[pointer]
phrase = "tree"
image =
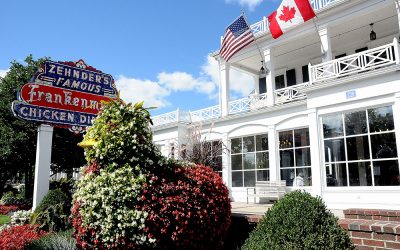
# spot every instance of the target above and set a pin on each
(18, 137)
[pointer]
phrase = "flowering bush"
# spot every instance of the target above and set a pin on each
(107, 209)
(187, 210)
(132, 197)
(17, 237)
(6, 209)
(20, 217)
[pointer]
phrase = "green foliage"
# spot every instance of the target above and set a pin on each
(55, 241)
(52, 212)
(298, 221)
(4, 219)
(122, 136)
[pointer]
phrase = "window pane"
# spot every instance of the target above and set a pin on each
(304, 71)
(291, 77)
(286, 157)
(217, 163)
(356, 123)
(250, 161)
(248, 144)
(333, 126)
(263, 175)
(288, 176)
(301, 137)
(383, 146)
(380, 119)
(236, 162)
(336, 174)
(334, 150)
(236, 145)
(249, 178)
(279, 82)
(303, 177)
(360, 174)
(357, 148)
(286, 139)
(217, 147)
(261, 142)
(303, 157)
(386, 173)
(237, 179)
(262, 160)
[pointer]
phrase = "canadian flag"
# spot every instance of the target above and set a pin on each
(288, 15)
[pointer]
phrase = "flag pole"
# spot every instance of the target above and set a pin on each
(319, 37)
(255, 40)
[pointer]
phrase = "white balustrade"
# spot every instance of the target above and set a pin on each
(165, 118)
(290, 94)
(248, 103)
(205, 114)
(379, 57)
(319, 4)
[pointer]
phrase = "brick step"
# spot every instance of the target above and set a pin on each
(372, 214)
(374, 235)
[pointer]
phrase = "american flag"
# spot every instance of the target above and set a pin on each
(237, 36)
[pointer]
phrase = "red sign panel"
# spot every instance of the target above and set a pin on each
(60, 98)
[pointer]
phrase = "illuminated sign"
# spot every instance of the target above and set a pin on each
(65, 94)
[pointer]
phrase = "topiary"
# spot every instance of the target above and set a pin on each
(298, 221)
(131, 197)
(52, 212)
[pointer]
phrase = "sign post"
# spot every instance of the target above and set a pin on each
(42, 165)
(62, 94)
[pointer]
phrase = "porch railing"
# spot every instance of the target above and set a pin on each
(205, 114)
(290, 94)
(247, 103)
(319, 4)
(379, 57)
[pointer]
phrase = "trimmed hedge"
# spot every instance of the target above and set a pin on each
(298, 221)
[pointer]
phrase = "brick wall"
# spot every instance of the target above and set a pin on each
(372, 229)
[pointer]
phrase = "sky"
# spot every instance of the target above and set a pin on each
(156, 50)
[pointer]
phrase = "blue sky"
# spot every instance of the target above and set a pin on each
(157, 50)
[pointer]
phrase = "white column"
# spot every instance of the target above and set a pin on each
(326, 48)
(224, 83)
(226, 166)
(273, 153)
(42, 166)
(270, 78)
(256, 84)
(316, 153)
(397, 3)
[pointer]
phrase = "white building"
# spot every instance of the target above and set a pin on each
(328, 108)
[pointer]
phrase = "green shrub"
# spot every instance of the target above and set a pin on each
(52, 212)
(298, 221)
(57, 241)
(9, 198)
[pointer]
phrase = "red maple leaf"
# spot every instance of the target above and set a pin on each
(287, 14)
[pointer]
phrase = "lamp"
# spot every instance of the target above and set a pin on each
(262, 70)
(372, 35)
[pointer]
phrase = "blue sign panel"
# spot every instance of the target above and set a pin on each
(82, 79)
(51, 115)
(350, 94)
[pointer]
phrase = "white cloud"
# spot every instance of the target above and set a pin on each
(251, 4)
(3, 72)
(155, 93)
(135, 90)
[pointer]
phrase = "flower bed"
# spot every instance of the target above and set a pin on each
(6, 209)
(17, 237)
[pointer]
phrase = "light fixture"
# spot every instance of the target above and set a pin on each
(372, 35)
(262, 70)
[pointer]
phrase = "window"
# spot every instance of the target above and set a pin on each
(304, 71)
(295, 159)
(214, 159)
(281, 82)
(249, 160)
(262, 85)
(360, 148)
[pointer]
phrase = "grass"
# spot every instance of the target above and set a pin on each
(4, 219)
